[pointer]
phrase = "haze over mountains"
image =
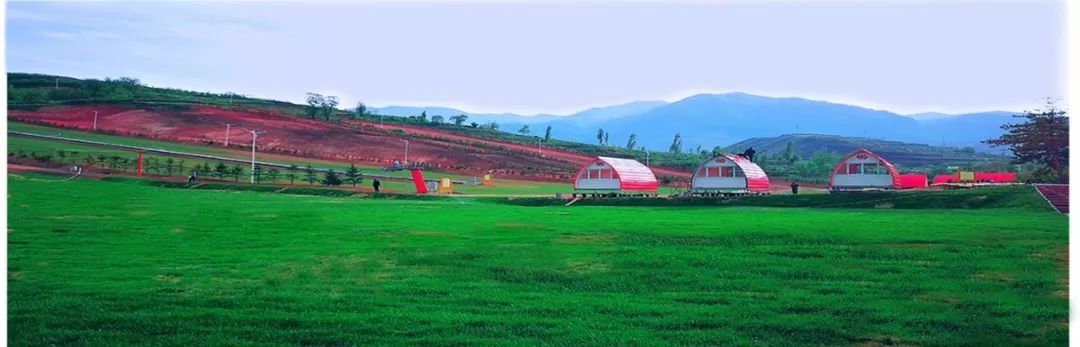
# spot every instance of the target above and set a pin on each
(709, 120)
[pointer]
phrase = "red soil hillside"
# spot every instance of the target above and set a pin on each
(354, 141)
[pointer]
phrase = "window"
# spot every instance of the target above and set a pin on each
(605, 174)
(594, 174)
(714, 172)
(727, 171)
(842, 170)
(853, 169)
(701, 172)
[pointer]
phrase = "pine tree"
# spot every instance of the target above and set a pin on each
(331, 179)
(631, 142)
(352, 175)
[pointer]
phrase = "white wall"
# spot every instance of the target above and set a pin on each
(583, 182)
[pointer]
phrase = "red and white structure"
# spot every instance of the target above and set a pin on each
(729, 173)
(605, 174)
(863, 169)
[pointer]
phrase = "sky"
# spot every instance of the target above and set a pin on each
(561, 57)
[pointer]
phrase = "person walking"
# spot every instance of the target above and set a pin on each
(375, 184)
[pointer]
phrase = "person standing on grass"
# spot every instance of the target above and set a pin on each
(375, 184)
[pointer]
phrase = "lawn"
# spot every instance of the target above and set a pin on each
(106, 263)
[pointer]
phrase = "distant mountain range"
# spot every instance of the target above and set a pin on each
(906, 155)
(709, 120)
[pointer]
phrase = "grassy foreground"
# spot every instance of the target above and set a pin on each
(106, 263)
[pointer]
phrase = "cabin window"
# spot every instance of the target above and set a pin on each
(714, 172)
(739, 173)
(842, 170)
(594, 174)
(875, 169)
(605, 174)
(853, 169)
(701, 172)
(727, 171)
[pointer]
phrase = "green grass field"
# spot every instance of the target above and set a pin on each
(107, 263)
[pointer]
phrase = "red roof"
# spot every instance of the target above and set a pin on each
(756, 179)
(632, 174)
(863, 151)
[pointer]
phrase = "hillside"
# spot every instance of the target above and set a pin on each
(709, 120)
(130, 108)
(900, 153)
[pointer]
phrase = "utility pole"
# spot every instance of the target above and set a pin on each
(254, 136)
(95, 120)
(646, 158)
(227, 127)
(539, 147)
(406, 152)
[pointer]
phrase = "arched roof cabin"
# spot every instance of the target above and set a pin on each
(615, 174)
(729, 173)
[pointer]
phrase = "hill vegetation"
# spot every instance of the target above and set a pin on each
(810, 158)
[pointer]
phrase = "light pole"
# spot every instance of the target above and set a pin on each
(406, 152)
(646, 157)
(227, 127)
(95, 120)
(539, 148)
(254, 136)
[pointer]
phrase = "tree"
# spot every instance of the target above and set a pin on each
(169, 166)
(331, 179)
(459, 119)
(258, 174)
(315, 102)
(361, 109)
(474, 125)
(273, 174)
(493, 125)
(309, 174)
(606, 143)
(789, 155)
(328, 106)
(600, 136)
(423, 117)
(1043, 138)
(291, 173)
(524, 130)
(437, 119)
(676, 144)
(236, 171)
(220, 170)
(352, 175)
(547, 134)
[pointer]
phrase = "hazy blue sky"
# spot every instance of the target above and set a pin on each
(561, 57)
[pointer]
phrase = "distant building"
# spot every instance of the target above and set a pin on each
(729, 173)
(863, 169)
(605, 174)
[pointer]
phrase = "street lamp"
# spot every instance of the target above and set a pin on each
(406, 152)
(227, 127)
(254, 136)
(646, 157)
(95, 120)
(539, 148)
